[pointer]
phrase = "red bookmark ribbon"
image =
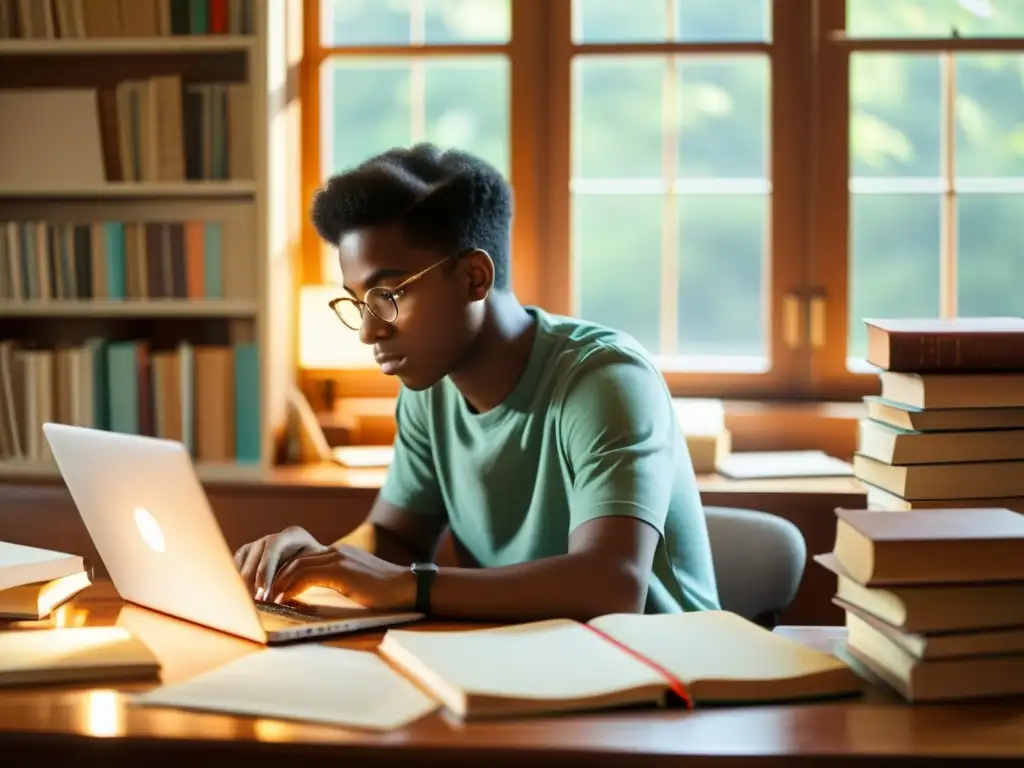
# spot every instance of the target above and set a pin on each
(674, 683)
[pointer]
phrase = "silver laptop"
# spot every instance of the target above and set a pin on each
(151, 522)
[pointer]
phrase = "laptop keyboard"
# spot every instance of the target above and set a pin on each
(284, 611)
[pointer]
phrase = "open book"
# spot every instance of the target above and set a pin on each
(615, 660)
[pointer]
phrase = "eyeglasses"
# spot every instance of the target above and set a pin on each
(382, 302)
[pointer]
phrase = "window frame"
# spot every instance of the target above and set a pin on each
(830, 275)
(808, 252)
(784, 252)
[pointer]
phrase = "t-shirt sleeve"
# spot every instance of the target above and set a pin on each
(411, 481)
(618, 432)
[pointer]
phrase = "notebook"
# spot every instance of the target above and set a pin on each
(73, 655)
(616, 660)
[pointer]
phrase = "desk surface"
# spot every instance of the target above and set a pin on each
(93, 725)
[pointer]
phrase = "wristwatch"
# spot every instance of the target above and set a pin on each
(425, 573)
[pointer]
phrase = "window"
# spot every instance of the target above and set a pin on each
(395, 73)
(935, 177)
(737, 183)
(671, 184)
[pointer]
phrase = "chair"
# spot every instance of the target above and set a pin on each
(759, 561)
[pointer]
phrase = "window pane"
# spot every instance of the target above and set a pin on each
(364, 109)
(713, 21)
(722, 312)
(895, 115)
(723, 126)
(468, 21)
(371, 105)
(404, 22)
(989, 115)
(467, 106)
(895, 260)
(615, 236)
(615, 21)
(617, 117)
(934, 18)
(990, 269)
(365, 22)
(646, 21)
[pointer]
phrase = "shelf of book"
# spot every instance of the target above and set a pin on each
(156, 45)
(103, 308)
(105, 20)
(148, 189)
(147, 256)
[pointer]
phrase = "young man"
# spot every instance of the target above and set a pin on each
(548, 446)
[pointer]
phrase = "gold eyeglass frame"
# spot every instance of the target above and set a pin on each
(391, 294)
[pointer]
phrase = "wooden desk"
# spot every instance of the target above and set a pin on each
(94, 726)
(330, 501)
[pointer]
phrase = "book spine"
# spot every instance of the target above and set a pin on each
(975, 352)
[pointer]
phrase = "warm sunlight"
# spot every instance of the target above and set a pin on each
(103, 714)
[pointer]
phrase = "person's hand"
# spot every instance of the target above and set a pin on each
(353, 572)
(259, 561)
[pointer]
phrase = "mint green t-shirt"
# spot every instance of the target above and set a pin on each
(588, 431)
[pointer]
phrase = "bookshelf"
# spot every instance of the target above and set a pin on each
(131, 190)
(183, 44)
(148, 224)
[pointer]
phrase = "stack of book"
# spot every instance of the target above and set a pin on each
(34, 582)
(934, 599)
(948, 427)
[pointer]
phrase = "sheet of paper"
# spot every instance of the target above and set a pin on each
(363, 455)
(315, 683)
(752, 465)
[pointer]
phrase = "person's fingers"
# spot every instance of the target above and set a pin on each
(240, 555)
(250, 554)
(273, 554)
(252, 563)
(302, 572)
(252, 560)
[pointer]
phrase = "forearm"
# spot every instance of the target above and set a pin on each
(380, 542)
(573, 586)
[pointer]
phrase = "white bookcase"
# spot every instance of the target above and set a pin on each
(264, 210)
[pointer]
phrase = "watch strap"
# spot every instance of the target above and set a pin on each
(425, 573)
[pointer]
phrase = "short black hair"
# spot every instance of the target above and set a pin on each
(448, 201)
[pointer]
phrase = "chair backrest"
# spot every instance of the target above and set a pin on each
(759, 561)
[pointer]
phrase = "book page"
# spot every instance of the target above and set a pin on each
(355, 689)
(722, 647)
(554, 660)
